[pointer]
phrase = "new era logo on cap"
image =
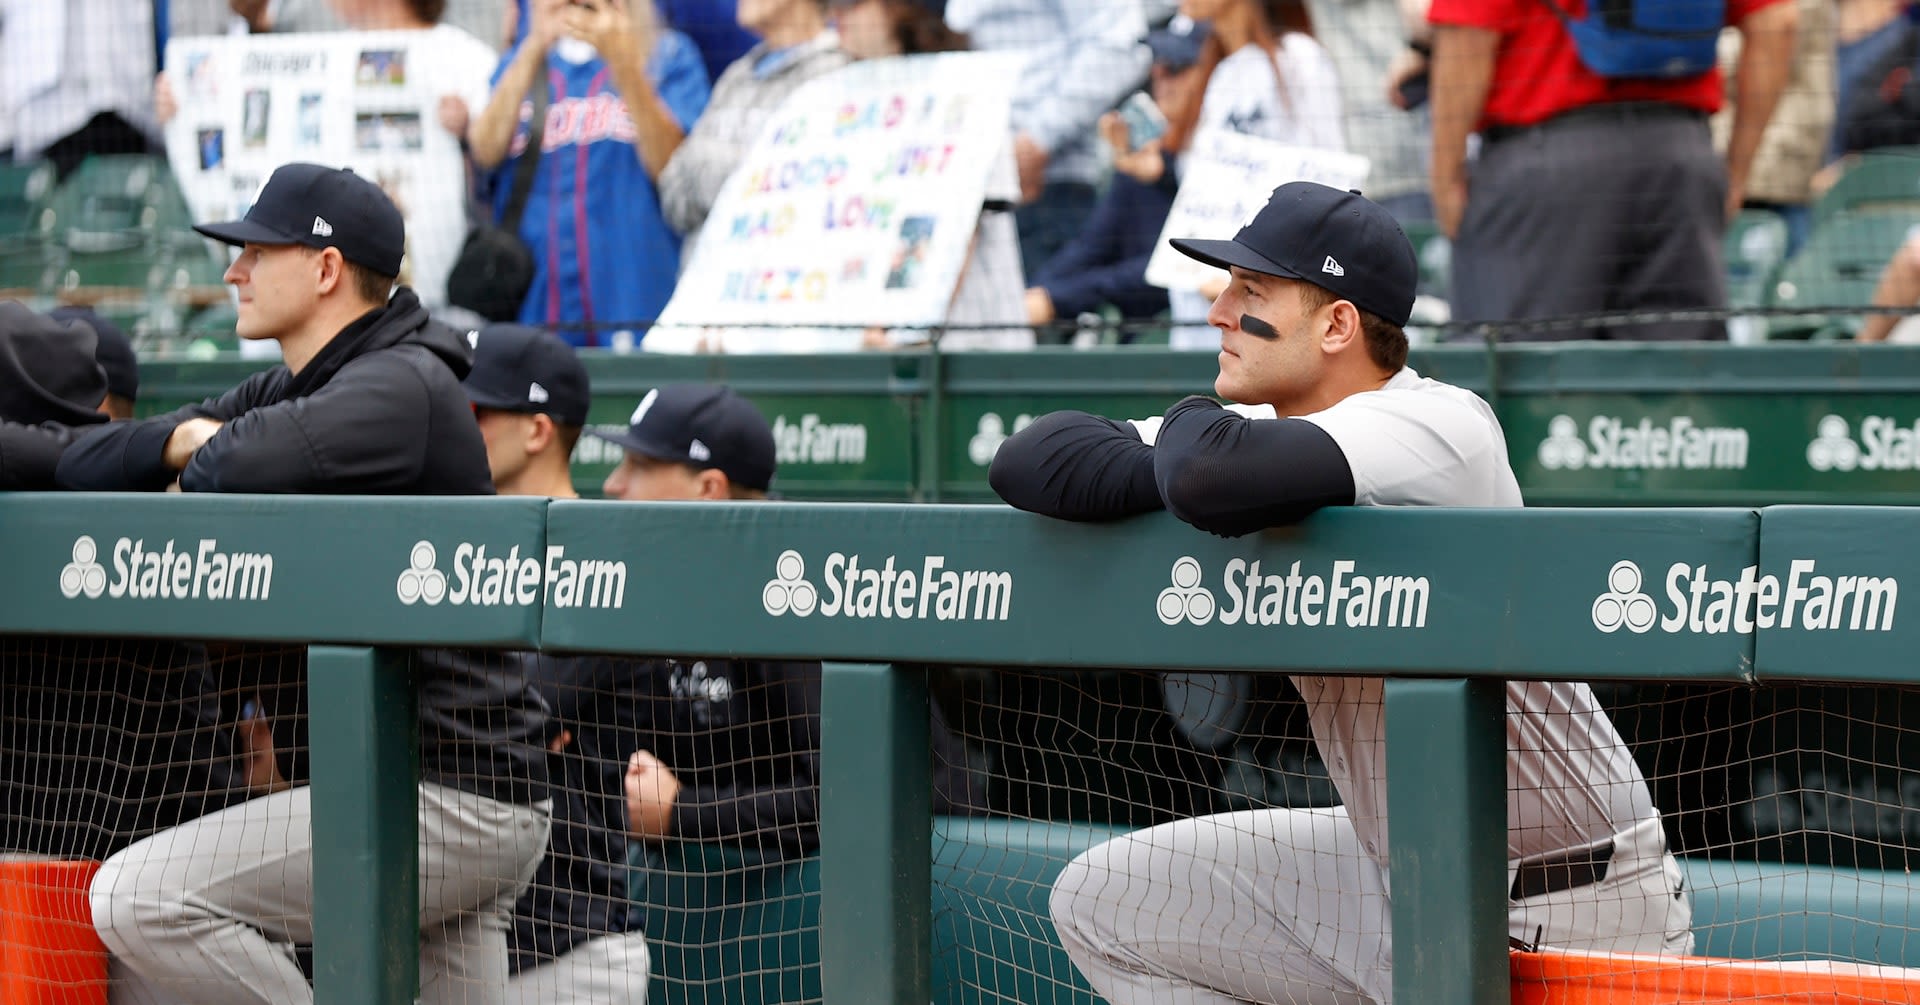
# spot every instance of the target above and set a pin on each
(698, 451)
(1332, 268)
(536, 393)
(321, 228)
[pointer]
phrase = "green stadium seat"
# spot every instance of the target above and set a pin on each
(1889, 176)
(1434, 252)
(114, 203)
(1756, 245)
(24, 190)
(1768, 911)
(1839, 267)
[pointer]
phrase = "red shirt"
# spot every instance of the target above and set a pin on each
(1537, 73)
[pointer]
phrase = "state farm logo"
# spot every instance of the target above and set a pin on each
(1612, 442)
(422, 581)
(511, 579)
(787, 591)
(992, 432)
(1624, 603)
(1699, 602)
(888, 587)
(1833, 448)
(84, 574)
(1186, 600)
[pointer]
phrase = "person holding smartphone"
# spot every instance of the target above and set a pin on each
(1106, 263)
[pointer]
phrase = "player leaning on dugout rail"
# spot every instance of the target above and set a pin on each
(1292, 904)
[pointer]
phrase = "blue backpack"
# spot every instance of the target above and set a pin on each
(1661, 39)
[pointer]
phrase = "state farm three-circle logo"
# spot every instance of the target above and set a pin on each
(1186, 600)
(1624, 603)
(422, 581)
(787, 590)
(84, 574)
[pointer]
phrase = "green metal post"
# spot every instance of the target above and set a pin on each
(1447, 785)
(366, 826)
(932, 447)
(876, 833)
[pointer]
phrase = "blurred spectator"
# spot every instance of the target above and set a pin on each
(1794, 144)
(1080, 58)
(51, 388)
(1872, 37)
(1266, 77)
(1364, 38)
(114, 352)
(480, 18)
(1589, 193)
(1106, 263)
(989, 290)
(76, 79)
(1899, 288)
(795, 46)
(622, 93)
(714, 27)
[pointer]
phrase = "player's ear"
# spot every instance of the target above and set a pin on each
(711, 484)
(540, 432)
(1340, 330)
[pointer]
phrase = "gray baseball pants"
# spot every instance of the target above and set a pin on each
(209, 911)
(607, 970)
(1285, 906)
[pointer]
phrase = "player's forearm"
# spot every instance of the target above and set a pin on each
(1766, 61)
(656, 133)
(1462, 77)
(1230, 475)
(1076, 466)
(491, 135)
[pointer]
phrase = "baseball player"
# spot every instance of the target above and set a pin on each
(1285, 905)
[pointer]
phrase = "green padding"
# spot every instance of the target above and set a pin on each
(726, 926)
(992, 937)
(729, 927)
(1759, 910)
(339, 569)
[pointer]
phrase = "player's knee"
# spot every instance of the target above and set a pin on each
(114, 898)
(1073, 899)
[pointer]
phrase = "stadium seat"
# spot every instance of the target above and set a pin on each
(1434, 252)
(1889, 176)
(1756, 245)
(115, 203)
(1769, 911)
(1839, 267)
(24, 190)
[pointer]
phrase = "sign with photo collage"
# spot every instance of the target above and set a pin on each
(363, 100)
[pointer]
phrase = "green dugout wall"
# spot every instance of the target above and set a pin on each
(1632, 424)
(1447, 603)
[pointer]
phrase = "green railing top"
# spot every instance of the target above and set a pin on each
(1728, 594)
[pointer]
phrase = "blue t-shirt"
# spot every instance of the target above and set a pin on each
(604, 258)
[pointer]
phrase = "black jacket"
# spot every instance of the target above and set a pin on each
(50, 390)
(378, 411)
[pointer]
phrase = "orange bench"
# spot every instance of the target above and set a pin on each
(49, 954)
(1573, 978)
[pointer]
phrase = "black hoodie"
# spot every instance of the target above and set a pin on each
(49, 383)
(378, 411)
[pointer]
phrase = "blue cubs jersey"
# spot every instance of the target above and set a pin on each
(604, 258)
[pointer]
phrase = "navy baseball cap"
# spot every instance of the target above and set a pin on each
(114, 351)
(522, 369)
(1339, 241)
(1177, 46)
(322, 207)
(705, 426)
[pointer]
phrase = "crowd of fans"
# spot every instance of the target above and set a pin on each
(1564, 192)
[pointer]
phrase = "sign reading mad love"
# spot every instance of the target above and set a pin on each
(1225, 179)
(856, 206)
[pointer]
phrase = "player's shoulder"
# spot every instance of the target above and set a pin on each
(1409, 393)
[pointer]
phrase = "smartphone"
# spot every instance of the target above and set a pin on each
(1145, 122)
(1413, 91)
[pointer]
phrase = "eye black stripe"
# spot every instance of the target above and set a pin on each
(1257, 328)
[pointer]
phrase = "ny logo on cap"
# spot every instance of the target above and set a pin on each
(321, 228)
(1332, 268)
(645, 404)
(536, 393)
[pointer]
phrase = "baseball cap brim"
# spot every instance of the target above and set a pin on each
(1228, 254)
(239, 232)
(498, 402)
(626, 440)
